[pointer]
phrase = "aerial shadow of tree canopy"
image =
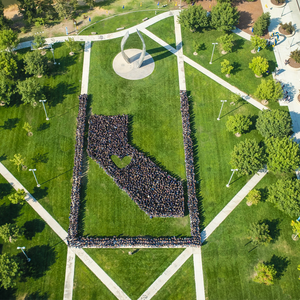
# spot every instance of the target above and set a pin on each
(42, 258)
(32, 227)
(9, 294)
(56, 95)
(10, 123)
(8, 213)
(273, 228)
(5, 189)
(39, 193)
(43, 126)
(280, 264)
(40, 158)
(3, 157)
(37, 296)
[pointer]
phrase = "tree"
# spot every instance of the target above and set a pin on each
(224, 16)
(259, 233)
(282, 154)
(28, 9)
(3, 21)
(285, 195)
(253, 197)
(18, 160)
(35, 63)
(9, 270)
(63, 9)
(91, 3)
(238, 123)
(6, 90)
(8, 39)
(264, 273)
(226, 42)
(38, 42)
(269, 90)
(226, 67)
(8, 64)
(296, 228)
(261, 24)
(28, 128)
(247, 157)
(257, 42)
(18, 197)
(259, 65)
(30, 90)
(193, 18)
(276, 123)
(9, 232)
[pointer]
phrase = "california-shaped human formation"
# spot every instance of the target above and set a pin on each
(155, 191)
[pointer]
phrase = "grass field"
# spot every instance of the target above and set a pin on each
(42, 278)
(50, 150)
(154, 108)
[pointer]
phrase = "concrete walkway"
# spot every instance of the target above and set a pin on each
(224, 213)
(86, 259)
(86, 67)
(69, 275)
(179, 51)
(167, 274)
(198, 273)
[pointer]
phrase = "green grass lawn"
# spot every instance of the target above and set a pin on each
(165, 30)
(133, 273)
(154, 107)
(181, 285)
(110, 25)
(43, 277)
(229, 259)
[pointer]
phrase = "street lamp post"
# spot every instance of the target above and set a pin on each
(23, 248)
(233, 170)
(223, 101)
(52, 50)
(33, 170)
(213, 52)
(43, 102)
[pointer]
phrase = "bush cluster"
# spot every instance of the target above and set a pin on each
(288, 27)
(295, 55)
(261, 24)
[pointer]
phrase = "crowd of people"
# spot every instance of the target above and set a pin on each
(152, 189)
(156, 192)
(189, 165)
(77, 172)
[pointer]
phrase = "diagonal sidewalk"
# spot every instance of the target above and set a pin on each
(69, 276)
(167, 274)
(86, 259)
(198, 273)
(224, 213)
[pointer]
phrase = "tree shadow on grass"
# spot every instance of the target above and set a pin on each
(5, 189)
(253, 119)
(39, 193)
(273, 227)
(8, 213)
(238, 44)
(9, 294)
(236, 68)
(42, 258)
(280, 265)
(37, 296)
(32, 227)
(57, 94)
(2, 158)
(43, 126)
(40, 158)
(10, 123)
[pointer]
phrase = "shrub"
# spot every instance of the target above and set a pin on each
(226, 67)
(264, 273)
(288, 27)
(238, 123)
(269, 90)
(295, 55)
(226, 42)
(253, 197)
(277, 123)
(259, 65)
(257, 42)
(261, 24)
